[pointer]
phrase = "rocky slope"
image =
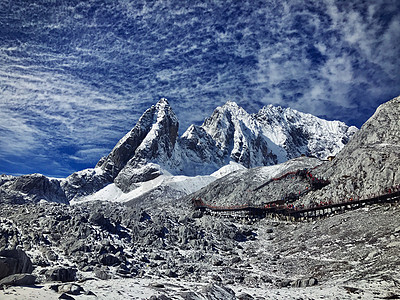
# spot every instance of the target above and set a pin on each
(153, 147)
(32, 188)
(242, 187)
(370, 162)
(366, 166)
(173, 252)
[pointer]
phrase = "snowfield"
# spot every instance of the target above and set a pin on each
(183, 185)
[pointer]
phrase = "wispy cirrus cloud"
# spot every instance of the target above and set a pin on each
(76, 76)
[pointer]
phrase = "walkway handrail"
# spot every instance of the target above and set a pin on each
(273, 207)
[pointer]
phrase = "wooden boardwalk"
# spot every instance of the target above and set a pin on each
(282, 211)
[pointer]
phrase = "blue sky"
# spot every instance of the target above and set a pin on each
(76, 75)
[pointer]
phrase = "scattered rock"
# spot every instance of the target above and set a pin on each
(215, 277)
(197, 214)
(245, 296)
(99, 219)
(61, 274)
(51, 255)
(305, 282)
(102, 274)
(285, 283)
(171, 273)
(391, 295)
(18, 279)
(235, 260)
(352, 290)
(89, 293)
(160, 297)
(157, 285)
(109, 260)
(191, 296)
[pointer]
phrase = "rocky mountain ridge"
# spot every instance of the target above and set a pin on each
(153, 147)
(368, 165)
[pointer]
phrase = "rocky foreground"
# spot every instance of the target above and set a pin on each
(114, 251)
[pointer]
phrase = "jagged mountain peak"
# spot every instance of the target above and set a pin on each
(157, 122)
(164, 110)
(301, 133)
(231, 108)
(230, 134)
(227, 121)
(229, 105)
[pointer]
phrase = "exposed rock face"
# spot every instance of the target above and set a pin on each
(14, 262)
(238, 136)
(153, 137)
(271, 136)
(370, 162)
(34, 187)
(61, 274)
(200, 150)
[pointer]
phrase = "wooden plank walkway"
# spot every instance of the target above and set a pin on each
(281, 211)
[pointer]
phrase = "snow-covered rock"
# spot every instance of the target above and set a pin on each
(153, 138)
(238, 135)
(85, 182)
(230, 135)
(299, 133)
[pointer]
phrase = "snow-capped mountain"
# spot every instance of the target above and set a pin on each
(271, 136)
(153, 147)
(239, 136)
(299, 133)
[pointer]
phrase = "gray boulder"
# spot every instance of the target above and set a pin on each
(18, 279)
(70, 288)
(14, 262)
(305, 282)
(216, 292)
(65, 296)
(245, 296)
(109, 260)
(61, 274)
(102, 274)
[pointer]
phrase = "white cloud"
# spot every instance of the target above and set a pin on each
(82, 83)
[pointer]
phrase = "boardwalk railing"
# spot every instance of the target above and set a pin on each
(291, 212)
